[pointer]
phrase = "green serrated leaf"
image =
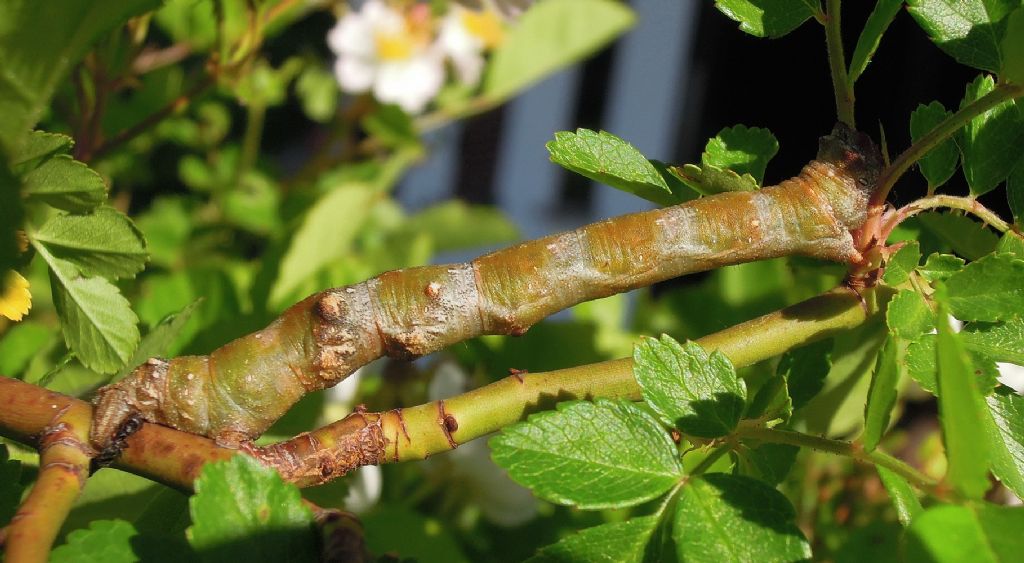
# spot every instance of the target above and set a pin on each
(102, 243)
(987, 143)
(691, 390)
(99, 325)
(36, 147)
(882, 392)
(766, 18)
(970, 31)
(939, 267)
(722, 517)
(1002, 342)
(158, 341)
(966, 237)
(960, 405)
(1006, 439)
(1013, 48)
(883, 14)
(921, 365)
(805, 370)
(772, 400)
(903, 496)
(605, 158)
(590, 455)
(10, 485)
(65, 184)
(322, 238)
(710, 180)
(899, 265)
(1011, 243)
(983, 533)
(550, 36)
(909, 316)
(619, 542)
(766, 462)
(744, 150)
(39, 43)
(988, 289)
(244, 511)
(938, 164)
(105, 541)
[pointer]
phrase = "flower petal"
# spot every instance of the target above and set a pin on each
(354, 74)
(16, 300)
(410, 83)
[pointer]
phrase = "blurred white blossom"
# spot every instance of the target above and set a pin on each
(398, 50)
(1012, 376)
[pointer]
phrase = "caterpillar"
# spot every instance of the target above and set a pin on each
(237, 391)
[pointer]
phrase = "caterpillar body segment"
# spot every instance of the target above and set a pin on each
(240, 389)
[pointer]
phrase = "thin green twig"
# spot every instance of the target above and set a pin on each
(967, 204)
(837, 64)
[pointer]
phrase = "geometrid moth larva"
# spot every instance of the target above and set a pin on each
(240, 389)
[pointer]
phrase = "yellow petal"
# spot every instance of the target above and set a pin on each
(15, 301)
(486, 26)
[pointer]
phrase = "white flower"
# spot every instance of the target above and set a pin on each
(389, 52)
(465, 34)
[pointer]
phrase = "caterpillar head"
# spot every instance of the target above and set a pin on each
(854, 153)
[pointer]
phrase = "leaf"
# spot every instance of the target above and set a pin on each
(966, 237)
(591, 455)
(456, 225)
(766, 462)
(970, 31)
(961, 412)
(939, 267)
(103, 243)
(12, 215)
(882, 392)
(988, 141)
(158, 341)
(988, 289)
(391, 126)
(744, 150)
(1011, 243)
(938, 164)
(899, 265)
(721, 517)
(99, 325)
(19, 345)
(903, 496)
(1002, 342)
(909, 316)
(697, 393)
(605, 158)
(105, 541)
(624, 542)
(805, 370)
(1006, 439)
(317, 91)
(921, 365)
(1015, 192)
(1013, 48)
(981, 534)
(322, 238)
(65, 184)
(10, 485)
(707, 179)
(39, 43)
(883, 14)
(766, 18)
(550, 36)
(243, 511)
(36, 148)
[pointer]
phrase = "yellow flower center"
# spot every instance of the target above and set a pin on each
(485, 25)
(394, 47)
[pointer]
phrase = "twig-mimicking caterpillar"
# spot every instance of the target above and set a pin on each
(240, 389)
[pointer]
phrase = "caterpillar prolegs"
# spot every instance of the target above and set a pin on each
(240, 389)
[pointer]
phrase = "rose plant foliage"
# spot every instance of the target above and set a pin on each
(188, 314)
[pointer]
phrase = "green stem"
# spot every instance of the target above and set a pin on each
(967, 204)
(252, 138)
(847, 449)
(1002, 93)
(837, 64)
(714, 456)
